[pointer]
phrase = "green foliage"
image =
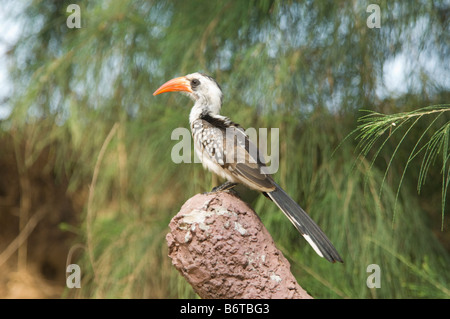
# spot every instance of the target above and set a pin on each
(303, 67)
(375, 125)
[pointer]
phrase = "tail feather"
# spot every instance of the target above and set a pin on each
(305, 225)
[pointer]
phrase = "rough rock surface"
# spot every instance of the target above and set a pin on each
(219, 244)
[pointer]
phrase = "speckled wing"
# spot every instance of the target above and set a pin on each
(227, 145)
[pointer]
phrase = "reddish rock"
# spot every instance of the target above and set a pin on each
(219, 244)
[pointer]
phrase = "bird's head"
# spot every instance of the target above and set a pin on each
(201, 88)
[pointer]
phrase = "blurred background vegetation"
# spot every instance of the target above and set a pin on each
(85, 166)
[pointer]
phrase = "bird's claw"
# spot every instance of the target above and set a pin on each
(225, 187)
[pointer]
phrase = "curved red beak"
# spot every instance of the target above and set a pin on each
(177, 84)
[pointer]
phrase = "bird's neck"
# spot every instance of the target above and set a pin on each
(201, 108)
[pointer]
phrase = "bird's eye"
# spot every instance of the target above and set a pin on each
(195, 83)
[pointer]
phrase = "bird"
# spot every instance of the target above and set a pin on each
(239, 164)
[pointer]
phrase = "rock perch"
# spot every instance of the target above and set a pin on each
(220, 246)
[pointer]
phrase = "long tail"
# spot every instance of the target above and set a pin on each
(305, 225)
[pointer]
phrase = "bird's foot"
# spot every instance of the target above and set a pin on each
(227, 186)
(224, 187)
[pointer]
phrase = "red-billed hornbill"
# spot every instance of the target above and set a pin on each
(209, 131)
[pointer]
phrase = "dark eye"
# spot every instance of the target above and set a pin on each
(195, 83)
